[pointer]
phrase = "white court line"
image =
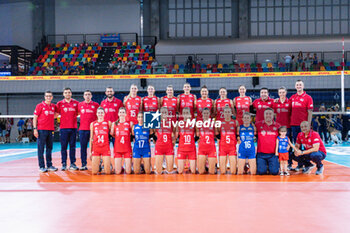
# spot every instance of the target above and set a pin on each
(18, 153)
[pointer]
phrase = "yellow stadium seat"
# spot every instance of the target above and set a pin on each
(139, 63)
(89, 48)
(65, 49)
(45, 64)
(76, 63)
(115, 44)
(53, 53)
(125, 58)
(89, 59)
(58, 45)
(176, 66)
(150, 59)
(137, 51)
(95, 55)
(117, 51)
(53, 60)
(219, 66)
(269, 65)
(72, 52)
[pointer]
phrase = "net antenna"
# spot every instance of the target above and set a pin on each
(342, 81)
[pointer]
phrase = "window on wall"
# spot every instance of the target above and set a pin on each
(200, 18)
(299, 17)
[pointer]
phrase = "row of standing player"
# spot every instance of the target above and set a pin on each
(69, 109)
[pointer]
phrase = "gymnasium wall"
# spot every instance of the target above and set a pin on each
(91, 16)
(16, 24)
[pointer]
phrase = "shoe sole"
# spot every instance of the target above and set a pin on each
(52, 170)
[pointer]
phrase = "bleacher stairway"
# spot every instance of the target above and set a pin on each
(106, 55)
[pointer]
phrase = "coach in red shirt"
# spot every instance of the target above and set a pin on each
(87, 112)
(262, 103)
(44, 126)
(314, 149)
(267, 135)
(111, 105)
(301, 110)
(68, 109)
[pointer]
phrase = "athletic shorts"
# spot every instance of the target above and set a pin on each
(283, 156)
(103, 151)
(247, 154)
(191, 155)
(229, 152)
(125, 155)
(210, 153)
(164, 151)
(141, 153)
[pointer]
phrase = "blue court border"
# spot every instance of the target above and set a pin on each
(343, 160)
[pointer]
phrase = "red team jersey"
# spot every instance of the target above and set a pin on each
(260, 106)
(171, 105)
(69, 112)
(242, 106)
(206, 145)
(187, 101)
(300, 106)
(100, 143)
(132, 106)
(111, 109)
(282, 111)
(228, 140)
(164, 144)
(87, 113)
(309, 140)
(46, 116)
(150, 104)
(267, 135)
(201, 104)
(187, 145)
(122, 143)
(220, 106)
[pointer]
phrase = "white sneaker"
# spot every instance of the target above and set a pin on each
(286, 173)
(281, 173)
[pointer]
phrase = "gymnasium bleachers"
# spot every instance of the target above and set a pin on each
(66, 56)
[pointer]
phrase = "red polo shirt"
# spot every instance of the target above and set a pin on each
(282, 111)
(111, 108)
(46, 116)
(310, 139)
(300, 106)
(260, 106)
(87, 112)
(69, 112)
(267, 135)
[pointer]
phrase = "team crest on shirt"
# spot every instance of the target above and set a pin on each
(92, 106)
(263, 133)
(174, 104)
(65, 109)
(154, 103)
(246, 103)
(106, 110)
(309, 140)
(301, 100)
(274, 128)
(83, 110)
(259, 106)
(115, 105)
(74, 105)
(243, 137)
(126, 129)
(104, 127)
(46, 113)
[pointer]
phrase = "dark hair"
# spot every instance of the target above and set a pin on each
(87, 91)
(109, 88)
(268, 109)
(100, 108)
(206, 109)
(264, 88)
(48, 92)
(282, 128)
(204, 87)
(67, 88)
(299, 80)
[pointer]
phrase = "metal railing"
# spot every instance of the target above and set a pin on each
(95, 38)
(228, 58)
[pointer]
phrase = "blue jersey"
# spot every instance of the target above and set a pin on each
(247, 146)
(282, 145)
(141, 137)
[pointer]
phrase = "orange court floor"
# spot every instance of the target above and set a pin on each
(76, 201)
